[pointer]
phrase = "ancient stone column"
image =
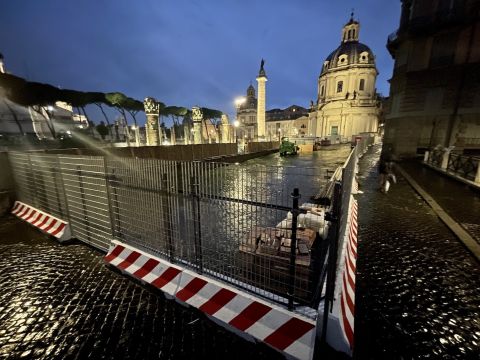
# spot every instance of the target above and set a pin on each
(225, 132)
(152, 110)
(197, 117)
(261, 102)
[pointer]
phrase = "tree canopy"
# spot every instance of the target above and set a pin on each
(29, 93)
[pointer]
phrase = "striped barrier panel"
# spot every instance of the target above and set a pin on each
(340, 334)
(43, 221)
(287, 332)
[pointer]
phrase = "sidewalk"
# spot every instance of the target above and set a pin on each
(459, 200)
(62, 302)
(417, 293)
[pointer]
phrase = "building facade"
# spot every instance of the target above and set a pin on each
(291, 122)
(347, 102)
(247, 115)
(435, 87)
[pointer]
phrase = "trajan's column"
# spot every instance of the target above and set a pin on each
(261, 80)
(152, 110)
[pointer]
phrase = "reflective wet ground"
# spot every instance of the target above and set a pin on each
(62, 302)
(459, 200)
(418, 292)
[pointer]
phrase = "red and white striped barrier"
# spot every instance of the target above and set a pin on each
(43, 221)
(341, 321)
(285, 331)
(347, 301)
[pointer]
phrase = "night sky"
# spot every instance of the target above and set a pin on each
(188, 53)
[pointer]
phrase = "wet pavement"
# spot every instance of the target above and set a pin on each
(62, 302)
(417, 286)
(417, 295)
(459, 200)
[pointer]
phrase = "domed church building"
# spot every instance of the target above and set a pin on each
(347, 102)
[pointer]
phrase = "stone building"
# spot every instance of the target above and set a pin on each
(347, 102)
(247, 115)
(291, 122)
(435, 87)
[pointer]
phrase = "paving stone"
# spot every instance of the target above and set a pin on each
(62, 302)
(417, 286)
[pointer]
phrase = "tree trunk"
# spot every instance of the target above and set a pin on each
(90, 124)
(127, 132)
(48, 119)
(108, 121)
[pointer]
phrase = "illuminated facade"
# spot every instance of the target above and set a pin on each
(347, 103)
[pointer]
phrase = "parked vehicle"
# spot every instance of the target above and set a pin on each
(287, 147)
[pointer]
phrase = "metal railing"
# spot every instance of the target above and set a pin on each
(463, 165)
(455, 163)
(232, 222)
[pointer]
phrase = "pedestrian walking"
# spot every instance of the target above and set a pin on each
(387, 174)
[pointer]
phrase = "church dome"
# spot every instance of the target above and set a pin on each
(350, 51)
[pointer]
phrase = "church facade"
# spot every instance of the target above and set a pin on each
(347, 102)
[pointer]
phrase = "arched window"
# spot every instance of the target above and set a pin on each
(362, 84)
(322, 90)
(339, 86)
(353, 33)
(349, 34)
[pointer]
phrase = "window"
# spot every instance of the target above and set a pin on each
(322, 90)
(443, 49)
(339, 86)
(362, 84)
(334, 130)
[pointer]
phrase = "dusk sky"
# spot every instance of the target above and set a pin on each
(188, 52)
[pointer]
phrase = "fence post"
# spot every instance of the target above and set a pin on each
(167, 219)
(333, 217)
(477, 177)
(445, 157)
(109, 197)
(425, 156)
(67, 210)
(293, 249)
(197, 225)
(33, 193)
(84, 203)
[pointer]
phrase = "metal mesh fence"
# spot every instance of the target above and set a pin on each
(86, 198)
(233, 222)
(38, 181)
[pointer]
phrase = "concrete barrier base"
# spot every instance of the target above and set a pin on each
(254, 319)
(47, 223)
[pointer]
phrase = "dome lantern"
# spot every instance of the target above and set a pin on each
(351, 30)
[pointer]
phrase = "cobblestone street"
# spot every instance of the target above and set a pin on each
(417, 294)
(417, 286)
(62, 302)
